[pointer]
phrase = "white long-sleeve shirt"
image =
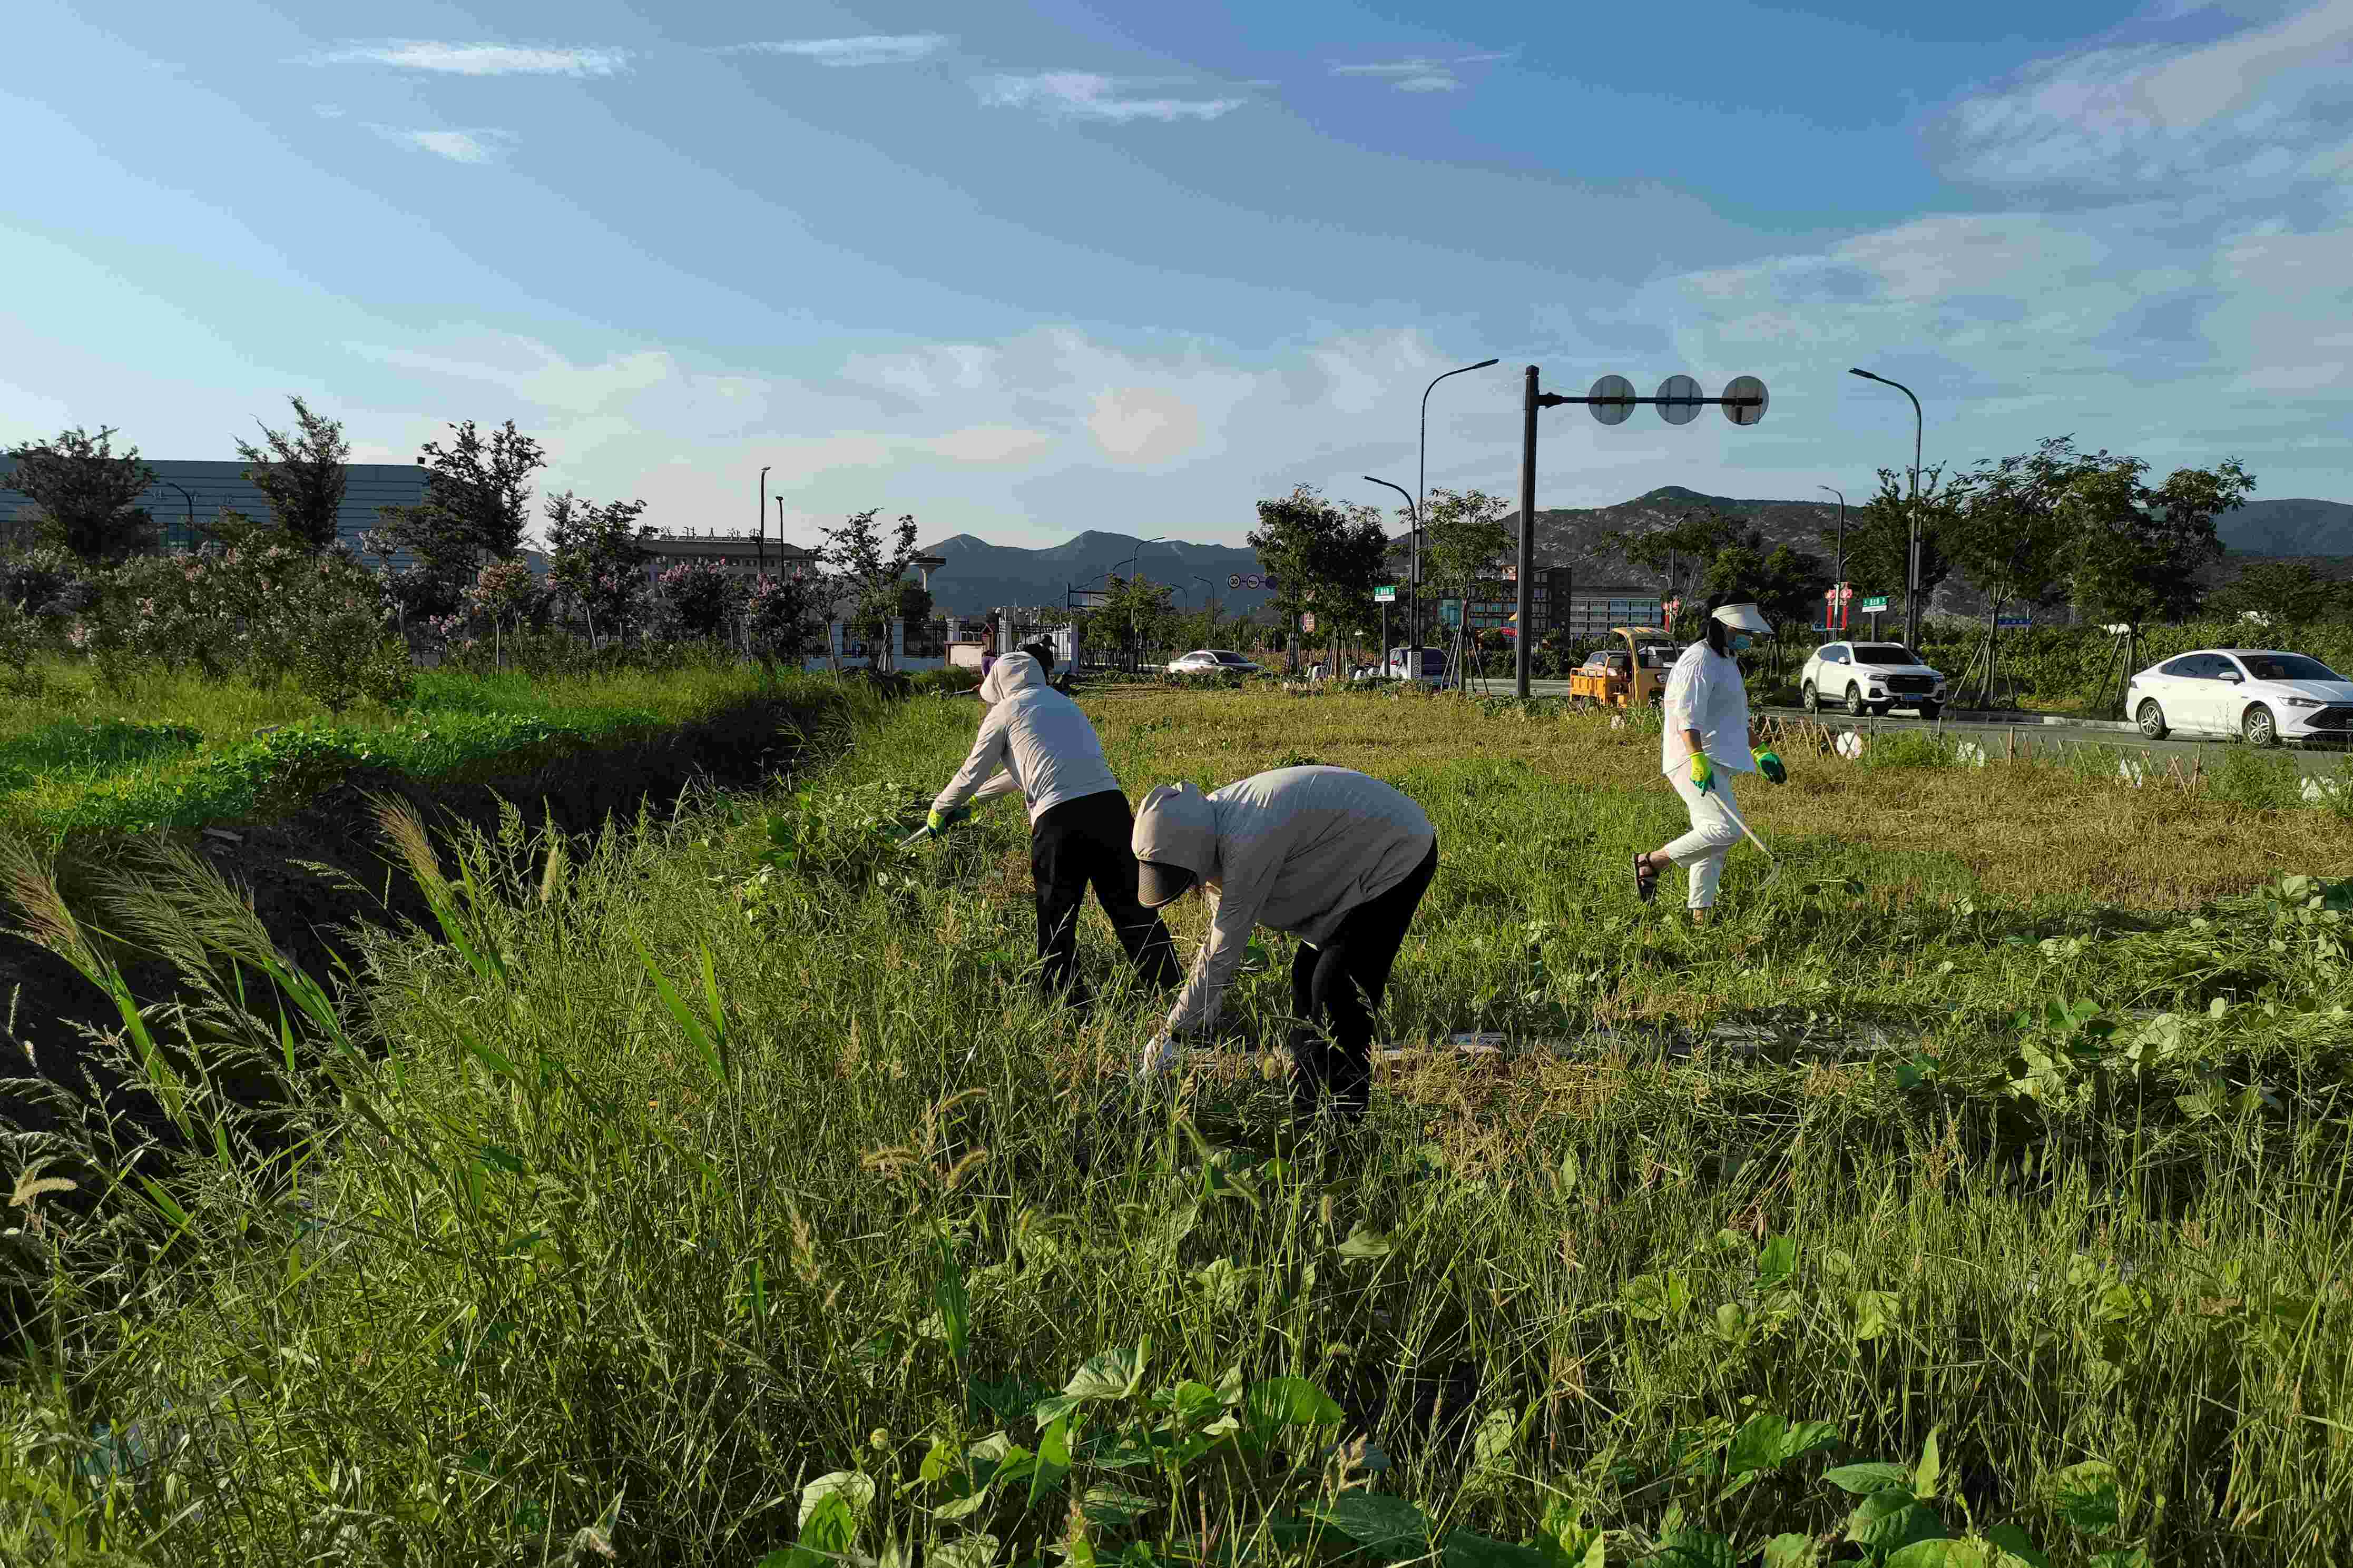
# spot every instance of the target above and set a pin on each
(1704, 692)
(1294, 849)
(1033, 740)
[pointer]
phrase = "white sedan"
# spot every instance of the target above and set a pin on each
(1871, 678)
(1212, 661)
(2260, 694)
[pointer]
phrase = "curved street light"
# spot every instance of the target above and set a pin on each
(1838, 572)
(1422, 489)
(1413, 515)
(1912, 570)
(191, 503)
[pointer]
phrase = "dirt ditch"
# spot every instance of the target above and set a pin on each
(298, 870)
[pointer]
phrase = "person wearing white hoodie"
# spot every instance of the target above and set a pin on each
(1035, 740)
(1332, 856)
(1708, 736)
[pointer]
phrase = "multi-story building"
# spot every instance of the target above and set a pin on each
(740, 554)
(189, 493)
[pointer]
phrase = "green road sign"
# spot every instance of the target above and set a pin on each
(1873, 606)
(1385, 595)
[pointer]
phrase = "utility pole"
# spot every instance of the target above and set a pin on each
(1838, 572)
(1612, 399)
(1912, 572)
(760, 533)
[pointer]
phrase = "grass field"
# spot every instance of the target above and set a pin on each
(176, 751)
(1983, 1174)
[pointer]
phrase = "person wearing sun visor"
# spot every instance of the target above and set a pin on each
(1332, 856)
(1709, 737)
(1036, 740)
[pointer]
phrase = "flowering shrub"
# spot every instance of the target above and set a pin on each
(695, 600)
(783, 618)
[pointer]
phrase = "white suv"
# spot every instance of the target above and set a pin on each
(1871, 678)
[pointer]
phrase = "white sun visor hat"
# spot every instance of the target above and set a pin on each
(1745, 618)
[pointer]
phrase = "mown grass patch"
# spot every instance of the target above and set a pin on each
(724, 1188)
(231, 752)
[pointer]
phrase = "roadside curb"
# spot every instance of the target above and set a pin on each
(1975, 716)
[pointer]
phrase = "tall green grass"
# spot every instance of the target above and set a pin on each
(722, 1185)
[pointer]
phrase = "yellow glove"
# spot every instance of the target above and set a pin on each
(941, 821)
(1702, 771)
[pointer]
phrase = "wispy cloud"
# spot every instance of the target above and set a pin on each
(1081, 95)
(880, 49)
(1419, 73)
(2263, 106)
(480, 145)
(477, 60)
(327, 110)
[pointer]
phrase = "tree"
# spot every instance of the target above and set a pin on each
(1879, 534)
(302, 475)
(2293, 593)
(477, 503)
(862, 573)
(1325, 558)
(597, 558)
(84, 495)
(784, 619)
(1683, 553)
(2133, 551)
(2004, 532)
(1136, 611)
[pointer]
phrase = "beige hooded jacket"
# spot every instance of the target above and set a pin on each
(1295, 849)
(1034, 740)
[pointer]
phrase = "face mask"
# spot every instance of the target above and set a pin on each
(1740, 642)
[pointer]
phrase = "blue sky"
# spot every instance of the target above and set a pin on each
(1029, 270)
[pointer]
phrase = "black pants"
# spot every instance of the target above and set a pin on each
(1336, 988)
(1085, 841)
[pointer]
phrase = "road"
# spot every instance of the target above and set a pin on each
(1993, 733)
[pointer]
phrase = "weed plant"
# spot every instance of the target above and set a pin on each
(1974, 1191)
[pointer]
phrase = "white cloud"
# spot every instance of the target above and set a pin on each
(1081, 95)
(2252, 107)
(873, 50)
(1419, 73)
(327, 110)
(476, 146)
(989, 444)
(478, 59)
(1146, 425)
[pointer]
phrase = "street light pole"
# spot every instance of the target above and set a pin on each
(1422, 489)
(1135, 629)
(1413, 516)
(1524, 610)
(1838, 572)
(760, 535)
(191, 503)
(1912, 571)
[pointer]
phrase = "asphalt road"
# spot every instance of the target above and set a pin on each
(1994, 733)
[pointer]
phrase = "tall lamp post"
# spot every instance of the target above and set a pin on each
(1838, 572)
(1135, 631)
(1912, 570)
(760, 535)
(191, 503)
(1422, 489)
(1413, 515)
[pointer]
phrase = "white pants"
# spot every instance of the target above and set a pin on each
(1701, 851)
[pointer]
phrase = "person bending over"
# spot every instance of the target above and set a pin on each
(1035, 740)
(1334, 857)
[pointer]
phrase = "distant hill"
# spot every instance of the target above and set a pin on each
(2289, 527)
(980, 576)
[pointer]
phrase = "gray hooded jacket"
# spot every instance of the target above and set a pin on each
(1033, 740)
(1295, 849)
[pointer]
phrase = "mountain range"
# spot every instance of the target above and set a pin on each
(979, 575)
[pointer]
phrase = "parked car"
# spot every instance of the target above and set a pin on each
(2265, 695)
(1871, 678)
(1212, 661)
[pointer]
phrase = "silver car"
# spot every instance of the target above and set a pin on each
(2264, 696)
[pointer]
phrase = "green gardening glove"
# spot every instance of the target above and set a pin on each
(1702, 771)
(941, 821)
(1770, 766)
